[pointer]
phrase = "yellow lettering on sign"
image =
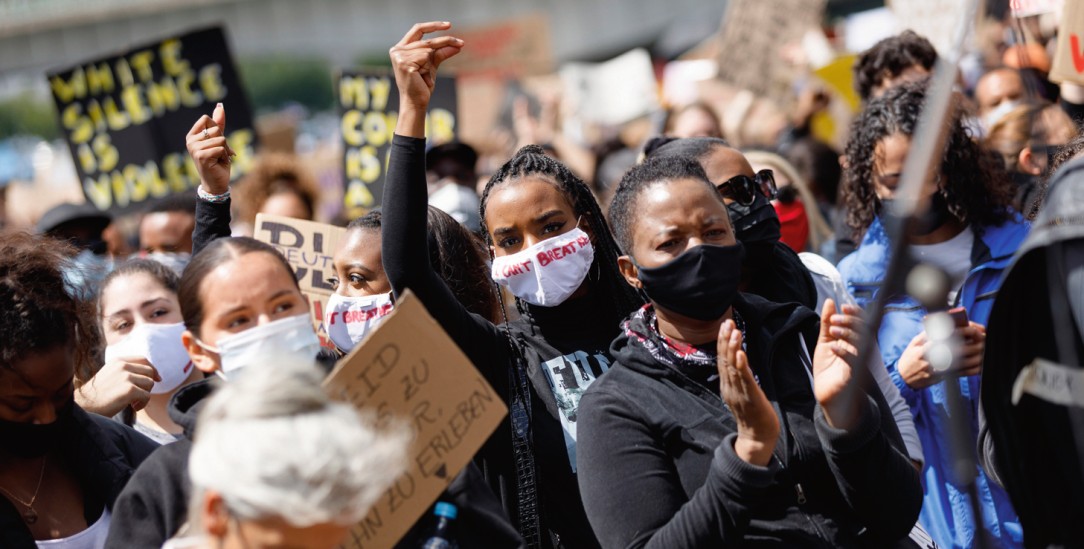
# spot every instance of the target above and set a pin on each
(97, 190)
(132, 97)
(170, 54)
(210, 81)
(116, 119)
(377, 132)
(357, 196)
(106, 152)
(380, 90)
(99, 79)
(124, 72)
(440, 125)
(163, 96)
(141, 62)
(189, 98)
(79, 127)
(351, 128)
(86, 158)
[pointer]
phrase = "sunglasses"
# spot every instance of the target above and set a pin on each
(743, 189)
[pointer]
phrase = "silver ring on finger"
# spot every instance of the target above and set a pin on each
(205, 133)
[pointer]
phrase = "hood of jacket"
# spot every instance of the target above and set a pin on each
(186, 404)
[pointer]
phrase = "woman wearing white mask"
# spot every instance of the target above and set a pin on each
(551, 247)
(363, 297)
(242, 309)
(145, 361)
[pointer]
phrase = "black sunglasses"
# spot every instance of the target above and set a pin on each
(743, 189)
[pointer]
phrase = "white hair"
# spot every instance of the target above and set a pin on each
(274, 444)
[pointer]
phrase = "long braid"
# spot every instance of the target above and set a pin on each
(532, 161)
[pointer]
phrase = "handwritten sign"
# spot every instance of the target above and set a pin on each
(937, 20)
(754, 32)
(125, 117)
(369, 108)
(308, 247)
(1026, 8)
(1069, 59)
(409, 369)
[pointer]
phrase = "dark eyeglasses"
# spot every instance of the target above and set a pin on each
(743, 189)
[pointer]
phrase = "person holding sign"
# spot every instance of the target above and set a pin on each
(736, 415)
(242, 308)
(552, 248)
(61, 469)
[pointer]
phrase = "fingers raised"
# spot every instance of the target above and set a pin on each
(219, 116)
(421, 29)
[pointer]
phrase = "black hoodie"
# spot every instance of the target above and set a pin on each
(659, 468)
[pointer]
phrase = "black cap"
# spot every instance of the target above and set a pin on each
(67, 213)
(455, 150)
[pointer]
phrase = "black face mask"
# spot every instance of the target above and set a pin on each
(932, 219)
(29, 440)
(701, 283)
(755, 223)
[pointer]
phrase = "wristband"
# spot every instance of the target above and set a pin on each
(216, 198)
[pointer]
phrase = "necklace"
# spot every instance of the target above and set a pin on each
(30, 516)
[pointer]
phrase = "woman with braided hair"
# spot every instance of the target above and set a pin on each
(552, 248)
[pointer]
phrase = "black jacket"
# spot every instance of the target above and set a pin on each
(1028, 446)
(103, 454)
(659, 468)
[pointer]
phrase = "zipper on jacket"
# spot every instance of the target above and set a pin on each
(800, 493)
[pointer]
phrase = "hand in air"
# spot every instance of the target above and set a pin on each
(836, 352)
(415, 61)
(121, 383)
(206, 143)
(758, 426)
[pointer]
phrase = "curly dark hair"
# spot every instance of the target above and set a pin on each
(889, 58)
(641, 177)
(39, 310)
(532, 161)
(974, 185)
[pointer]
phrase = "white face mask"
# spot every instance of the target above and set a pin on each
(161, 345)
(548, 272)
(286, 340)
(349, 319)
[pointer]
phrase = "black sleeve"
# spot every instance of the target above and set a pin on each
(633, 495)
(154, 504)
(212, 221)
(985, 450)
(877, 480)
(405, 249)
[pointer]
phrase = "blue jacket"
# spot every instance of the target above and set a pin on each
(946, 513)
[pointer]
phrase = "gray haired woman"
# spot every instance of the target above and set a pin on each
(276, 463)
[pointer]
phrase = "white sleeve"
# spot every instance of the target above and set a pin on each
(830, 284)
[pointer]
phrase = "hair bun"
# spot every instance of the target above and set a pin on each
(655, 143)
(530, 149)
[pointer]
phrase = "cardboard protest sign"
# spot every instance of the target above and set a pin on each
(513, 47)
(125, 117)
(1069, 59)
(308, 247)
(409, 369)
(753, 35)
(368, 110)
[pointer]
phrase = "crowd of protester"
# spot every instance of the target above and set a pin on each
(685, 374)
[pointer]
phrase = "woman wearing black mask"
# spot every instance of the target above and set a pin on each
(784, 458)
(60, 468)
(771, 269)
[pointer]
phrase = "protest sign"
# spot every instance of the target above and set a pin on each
(368, 110)
(1069, 59)
(125, 117)
(308, 247)
(613, 92)
(514, 47)
(754, 33)
(937, 20)
(1027, 8)
(433, 387)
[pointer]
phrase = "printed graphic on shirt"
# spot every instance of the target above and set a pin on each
(569, 377)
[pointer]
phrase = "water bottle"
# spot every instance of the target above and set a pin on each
(442, 534)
